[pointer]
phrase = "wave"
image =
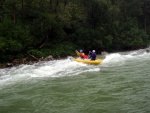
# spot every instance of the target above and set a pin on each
(66, 67)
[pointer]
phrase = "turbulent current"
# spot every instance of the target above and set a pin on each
(121, 84)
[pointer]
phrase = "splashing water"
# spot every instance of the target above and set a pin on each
(66, 67)
(69, 85)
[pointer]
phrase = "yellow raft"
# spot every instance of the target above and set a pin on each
(88, 61)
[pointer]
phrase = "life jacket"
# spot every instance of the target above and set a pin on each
(93, 55)
(82, 55)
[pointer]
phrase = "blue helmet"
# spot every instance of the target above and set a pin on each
(81, 51)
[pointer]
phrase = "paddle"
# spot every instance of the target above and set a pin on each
(77, 53)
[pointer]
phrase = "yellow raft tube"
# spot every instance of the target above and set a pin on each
(88, 61)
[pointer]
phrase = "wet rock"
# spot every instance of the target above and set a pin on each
(27, 60)
(50, 57)
(9, 64)
(147, 50)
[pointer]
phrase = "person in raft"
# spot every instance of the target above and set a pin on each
(93, 55)
(90, 55)
(82, 55)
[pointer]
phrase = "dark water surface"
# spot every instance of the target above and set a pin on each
(121, 84)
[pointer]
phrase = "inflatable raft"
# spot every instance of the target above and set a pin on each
(87, 61)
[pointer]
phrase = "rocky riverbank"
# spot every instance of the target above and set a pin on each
(28, 60)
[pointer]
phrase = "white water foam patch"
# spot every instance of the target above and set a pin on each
(139, 54)
(118, 59)
(114, 59)
(57, 68)
(12, 75)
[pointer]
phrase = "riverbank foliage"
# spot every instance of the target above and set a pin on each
(58, 27)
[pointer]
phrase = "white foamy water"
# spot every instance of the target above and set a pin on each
(57, 68)
(120, 85)
(66, 67)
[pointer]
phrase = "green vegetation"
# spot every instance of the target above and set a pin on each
(58, 27)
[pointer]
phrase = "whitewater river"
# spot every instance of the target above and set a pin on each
(121, 84)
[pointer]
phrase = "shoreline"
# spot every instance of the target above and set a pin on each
(28, 60)
(32, 59)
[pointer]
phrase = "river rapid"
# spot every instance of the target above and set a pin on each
(121, 84)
